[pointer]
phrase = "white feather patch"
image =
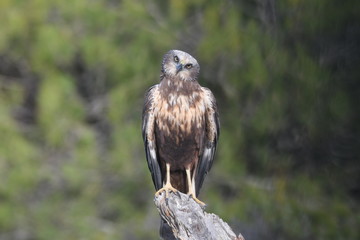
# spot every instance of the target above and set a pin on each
(152, 150)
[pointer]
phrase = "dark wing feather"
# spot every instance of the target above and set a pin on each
(211, 137)
(148, 133)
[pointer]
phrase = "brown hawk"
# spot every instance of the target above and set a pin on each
(180, 126)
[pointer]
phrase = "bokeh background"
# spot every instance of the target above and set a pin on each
(72, 78)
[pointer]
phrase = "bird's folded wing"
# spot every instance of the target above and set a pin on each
(211, 138)
(148, 132)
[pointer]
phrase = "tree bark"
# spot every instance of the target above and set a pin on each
(189, 221)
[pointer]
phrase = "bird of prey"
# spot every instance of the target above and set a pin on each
(180, 127)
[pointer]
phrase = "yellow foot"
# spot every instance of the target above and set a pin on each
(198, 201)
(167, 189)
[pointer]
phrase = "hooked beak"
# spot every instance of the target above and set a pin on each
(179, 67)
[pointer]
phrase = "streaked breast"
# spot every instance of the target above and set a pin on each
(180, 113)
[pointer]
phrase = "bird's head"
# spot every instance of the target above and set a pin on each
(178, 63)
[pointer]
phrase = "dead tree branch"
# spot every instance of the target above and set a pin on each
(189, 221)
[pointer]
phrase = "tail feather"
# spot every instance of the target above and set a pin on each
(166, 232)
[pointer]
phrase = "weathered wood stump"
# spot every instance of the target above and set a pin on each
(189, 221)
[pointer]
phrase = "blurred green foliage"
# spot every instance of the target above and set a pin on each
(72, 79)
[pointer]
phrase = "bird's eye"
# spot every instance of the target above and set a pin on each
(189, 65)
(176, 59)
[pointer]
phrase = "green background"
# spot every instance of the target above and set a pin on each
(72, 78)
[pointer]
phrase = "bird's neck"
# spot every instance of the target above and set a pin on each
(178, 86)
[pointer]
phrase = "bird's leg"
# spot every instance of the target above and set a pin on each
(168, 187)
(191, 186)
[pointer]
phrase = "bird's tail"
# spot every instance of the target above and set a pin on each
(166, 232)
